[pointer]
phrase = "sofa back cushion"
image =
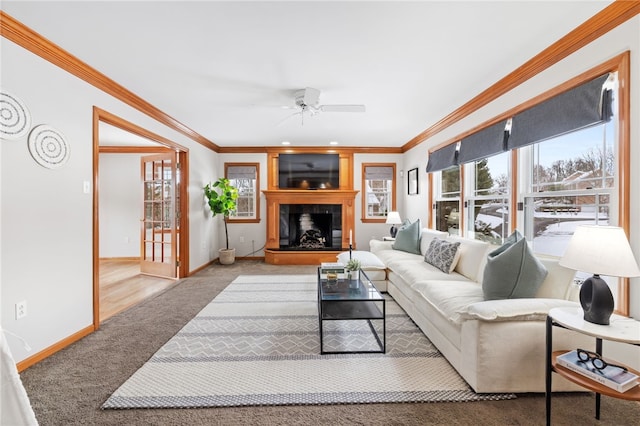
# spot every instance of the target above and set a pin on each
(559, 281)
(473, 255)
(427, 235)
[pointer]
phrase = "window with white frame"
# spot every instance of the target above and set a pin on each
(245, 177)
(572, 181)
(378, 190)
(447, 200)
(568, 157)
(487, 198)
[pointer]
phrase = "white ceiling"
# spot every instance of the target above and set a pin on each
(224, 68)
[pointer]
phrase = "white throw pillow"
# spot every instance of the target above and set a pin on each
(367, 259)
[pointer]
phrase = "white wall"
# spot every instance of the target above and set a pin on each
(46, 222)
(120, 196)
(365, 232)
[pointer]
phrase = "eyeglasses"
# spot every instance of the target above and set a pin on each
(596, 360)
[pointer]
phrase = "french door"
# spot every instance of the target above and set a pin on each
(159, 227)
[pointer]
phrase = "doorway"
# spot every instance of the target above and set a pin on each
(120, 280)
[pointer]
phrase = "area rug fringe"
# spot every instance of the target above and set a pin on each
(257, 344)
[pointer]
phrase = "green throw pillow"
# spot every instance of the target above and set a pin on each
(512, 271)
(408, 238)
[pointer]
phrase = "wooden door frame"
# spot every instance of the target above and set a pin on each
(100, 115)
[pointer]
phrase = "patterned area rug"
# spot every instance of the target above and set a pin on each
(257, 343)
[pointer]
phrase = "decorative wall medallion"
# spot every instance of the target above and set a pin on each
(15, 119)
(48, 146)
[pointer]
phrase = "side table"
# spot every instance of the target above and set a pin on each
(621, 329)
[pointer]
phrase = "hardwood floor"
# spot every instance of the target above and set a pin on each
(122, 286)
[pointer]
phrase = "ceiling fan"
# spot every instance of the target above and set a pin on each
(306, 100)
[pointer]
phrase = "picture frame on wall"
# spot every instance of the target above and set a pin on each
(412, 176)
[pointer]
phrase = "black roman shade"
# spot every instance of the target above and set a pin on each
(583, 106)
(485, 143)
(443, 158)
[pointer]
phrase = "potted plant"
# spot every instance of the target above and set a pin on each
(353, 265)
(222, 196)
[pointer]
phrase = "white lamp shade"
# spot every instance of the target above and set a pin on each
(393, 218)
(602, 250)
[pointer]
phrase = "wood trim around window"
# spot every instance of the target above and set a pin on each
(394, 190)
(257, 193)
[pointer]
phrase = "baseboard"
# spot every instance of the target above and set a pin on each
(45, 353)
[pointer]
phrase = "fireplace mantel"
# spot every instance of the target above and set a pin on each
(274, 198)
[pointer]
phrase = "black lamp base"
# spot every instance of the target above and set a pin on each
(596, 300)
(393, 231)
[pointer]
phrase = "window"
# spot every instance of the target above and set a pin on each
(447, 201)
(487, 198)
(572, 182)
(378, 191)
(245, 177)
(571, 164)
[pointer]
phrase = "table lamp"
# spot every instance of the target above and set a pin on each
(393, 219)
(599, 250)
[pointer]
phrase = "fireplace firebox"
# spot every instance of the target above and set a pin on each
(310, 227)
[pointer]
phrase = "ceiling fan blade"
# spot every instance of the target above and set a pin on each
(342, 108)
(311, 96)
(284, 120)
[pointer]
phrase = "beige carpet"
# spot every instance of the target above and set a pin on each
(257, 343)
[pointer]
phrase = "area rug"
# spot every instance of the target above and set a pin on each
(257, 343)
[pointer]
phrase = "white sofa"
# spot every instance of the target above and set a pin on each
(495, 345)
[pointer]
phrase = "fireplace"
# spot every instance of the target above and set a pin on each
(330, 220)
(310, 227)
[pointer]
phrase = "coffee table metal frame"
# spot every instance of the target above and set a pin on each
(355, 299)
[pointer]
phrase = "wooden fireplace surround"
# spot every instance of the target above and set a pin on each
(345, 196)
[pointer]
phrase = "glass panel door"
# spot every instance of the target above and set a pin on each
(158, 225)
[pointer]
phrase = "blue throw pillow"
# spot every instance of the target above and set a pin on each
(408, 238)
(512, 271)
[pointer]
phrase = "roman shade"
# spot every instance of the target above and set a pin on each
(583, 106)
(485, 143)
(241, 172)
(443, 158)
(378, 173)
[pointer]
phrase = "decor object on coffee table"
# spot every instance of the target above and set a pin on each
(393, 219)
(599, 250)
(221, 197)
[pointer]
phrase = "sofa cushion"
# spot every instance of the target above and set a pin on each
(512, 271)
(559, 281)
(443, 254)
(473, 255)
(529, 309)
(415, 269)
(367, 259)
(427, 235)
(408, 238)
(450, 297)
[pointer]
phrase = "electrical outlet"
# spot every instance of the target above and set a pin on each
(21, 309)
(241, 239)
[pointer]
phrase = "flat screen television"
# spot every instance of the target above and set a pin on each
(308, 171)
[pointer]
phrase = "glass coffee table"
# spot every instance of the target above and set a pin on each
(349, 300)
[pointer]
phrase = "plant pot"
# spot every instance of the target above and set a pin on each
(227, 256)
